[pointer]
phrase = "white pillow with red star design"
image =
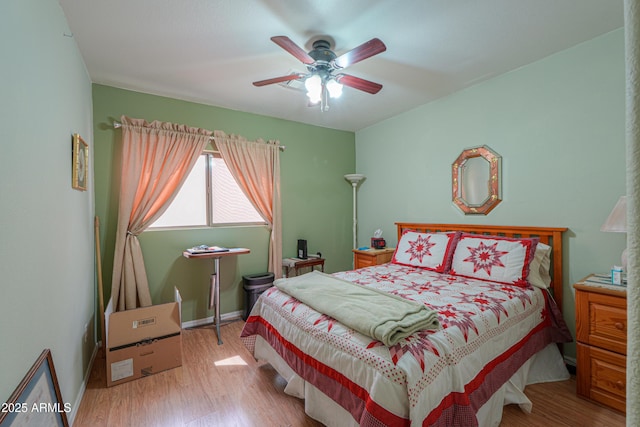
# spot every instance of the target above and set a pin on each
(494, 258)
(431, 251)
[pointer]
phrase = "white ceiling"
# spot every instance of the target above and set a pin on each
(210, 51)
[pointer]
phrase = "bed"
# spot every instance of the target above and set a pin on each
(496, 292)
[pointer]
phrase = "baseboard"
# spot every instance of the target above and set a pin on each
(83, 386)
(228, 317)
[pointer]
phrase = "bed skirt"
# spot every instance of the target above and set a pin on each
(545, 366)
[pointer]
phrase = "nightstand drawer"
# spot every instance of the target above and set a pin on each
(602, 321)
(364, 261)
(602, 376)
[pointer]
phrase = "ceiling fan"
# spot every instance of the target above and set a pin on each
(323, 80)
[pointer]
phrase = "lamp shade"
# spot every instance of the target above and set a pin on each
(617, 220)
(354, 178)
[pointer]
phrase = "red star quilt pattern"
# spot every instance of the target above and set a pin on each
(495, 258)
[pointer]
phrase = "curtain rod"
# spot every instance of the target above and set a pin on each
(117, 125)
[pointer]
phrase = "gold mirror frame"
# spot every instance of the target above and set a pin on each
(493, 195)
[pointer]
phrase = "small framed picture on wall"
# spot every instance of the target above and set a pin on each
(80, 162)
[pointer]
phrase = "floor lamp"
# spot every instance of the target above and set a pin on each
(355, 179)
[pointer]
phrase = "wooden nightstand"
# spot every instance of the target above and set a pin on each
(369, 257)
(601, 335)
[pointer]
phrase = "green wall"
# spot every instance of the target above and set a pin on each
(559, 126)
(316, 200)
(47, 289)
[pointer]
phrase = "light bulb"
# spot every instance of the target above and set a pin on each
(314, 98)
(314, 88)
(334, 88)
(313, 83)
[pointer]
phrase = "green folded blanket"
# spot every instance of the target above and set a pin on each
(379, 315)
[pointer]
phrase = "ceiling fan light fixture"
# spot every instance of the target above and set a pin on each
(314, 98)
(334, 88)
(313, 84)
(320, 82)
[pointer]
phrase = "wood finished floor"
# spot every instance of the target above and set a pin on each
(224, 386)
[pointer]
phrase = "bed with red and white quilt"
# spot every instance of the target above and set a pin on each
(497, 330)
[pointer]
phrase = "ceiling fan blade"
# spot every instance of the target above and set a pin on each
(358, 83)
(278, 79)
(364, 51)
(287, 44)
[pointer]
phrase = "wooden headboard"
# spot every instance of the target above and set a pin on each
(551, 236)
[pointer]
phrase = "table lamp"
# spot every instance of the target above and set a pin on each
(617, 223)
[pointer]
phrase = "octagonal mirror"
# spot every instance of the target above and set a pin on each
(476, 180)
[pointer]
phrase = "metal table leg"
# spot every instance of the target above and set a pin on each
(214, 296)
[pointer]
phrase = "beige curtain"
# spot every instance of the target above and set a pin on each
(156, 159)
(255, 165)
(632, 53)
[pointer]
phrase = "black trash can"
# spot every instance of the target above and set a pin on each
(254, 285)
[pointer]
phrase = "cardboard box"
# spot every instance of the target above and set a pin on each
(143, 341)
(141, 324)
(142, 359)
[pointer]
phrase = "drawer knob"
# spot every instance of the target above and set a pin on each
(619, 325)
(620, 384)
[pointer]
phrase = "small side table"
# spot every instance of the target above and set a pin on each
(297, 263)
(214, 283)
(368, 257)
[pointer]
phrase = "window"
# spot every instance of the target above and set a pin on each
(209, 197)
